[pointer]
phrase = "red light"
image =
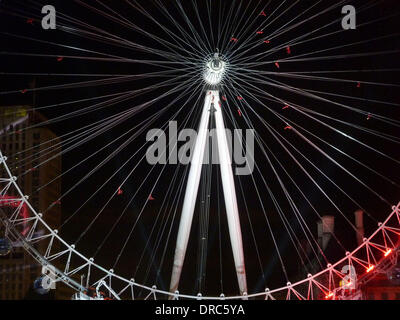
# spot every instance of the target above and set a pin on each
(388, 252)
(370, 268)
(330, 295)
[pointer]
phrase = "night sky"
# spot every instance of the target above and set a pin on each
(16, 37)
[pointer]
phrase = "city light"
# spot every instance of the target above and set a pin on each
(328, 296)
(370, 268)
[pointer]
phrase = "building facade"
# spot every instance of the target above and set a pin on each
(34, 161)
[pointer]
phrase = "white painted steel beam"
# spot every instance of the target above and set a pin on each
(192, 188)
(212, 100)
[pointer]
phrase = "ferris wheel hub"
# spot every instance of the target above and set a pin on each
(215, 69)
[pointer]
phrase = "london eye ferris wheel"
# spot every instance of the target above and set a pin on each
(201, 149)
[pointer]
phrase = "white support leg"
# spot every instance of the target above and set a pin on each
(228, 185)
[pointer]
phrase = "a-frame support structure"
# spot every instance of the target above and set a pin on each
(211, 104)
